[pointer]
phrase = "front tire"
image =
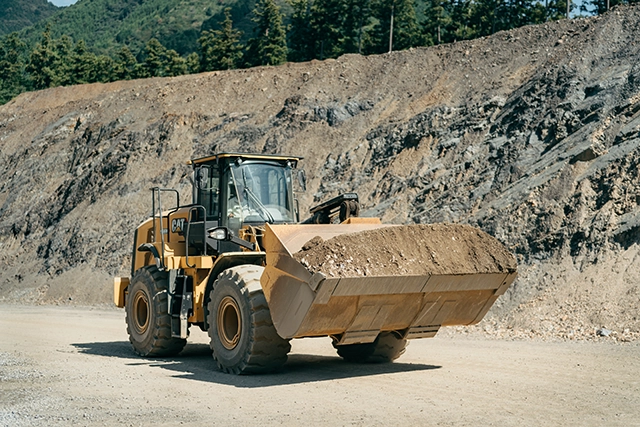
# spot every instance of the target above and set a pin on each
(386, 348)
(147, 315)
(243, 338)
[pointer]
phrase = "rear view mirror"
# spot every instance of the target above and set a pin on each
(302, 179)
(202, 177)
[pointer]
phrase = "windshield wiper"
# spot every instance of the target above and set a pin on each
(256, 201)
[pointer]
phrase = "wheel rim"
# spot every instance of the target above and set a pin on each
(229, 323)
(141, 312)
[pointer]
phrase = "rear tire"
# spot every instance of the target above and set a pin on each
(386, 348)
(147, 315)
(243, 338)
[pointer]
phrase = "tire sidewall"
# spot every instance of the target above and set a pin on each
(142, 343)
(224, 287)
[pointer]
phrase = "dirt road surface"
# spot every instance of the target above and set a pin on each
(74, 366)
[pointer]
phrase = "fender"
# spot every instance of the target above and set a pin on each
(148, 247)
(224, 261)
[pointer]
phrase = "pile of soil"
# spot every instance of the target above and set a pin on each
(407, 250)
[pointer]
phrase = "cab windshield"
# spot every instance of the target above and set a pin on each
(259, 193)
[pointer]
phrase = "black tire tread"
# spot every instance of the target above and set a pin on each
(266, 351)
(386, 348)
(163, 344)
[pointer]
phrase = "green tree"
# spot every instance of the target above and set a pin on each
(221, 49)
(460, 27)
(42, 62)
(12, 67)
(555, 10)
(62, 65)
(60, 62)
(125, 65)
(154, 63)
(176, 65)
(328, 28)
(356, 16)
(160, 61)
(437, 21)
(269, 46)
(103, 69)
(83, 67)
(300, 37)
(325, 26)
(193, 63)
(406, 31)
(490, 16)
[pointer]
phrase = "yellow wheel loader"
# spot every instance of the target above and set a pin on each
(234, 263)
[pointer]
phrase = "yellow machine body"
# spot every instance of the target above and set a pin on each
(305, 304)
(241, 235)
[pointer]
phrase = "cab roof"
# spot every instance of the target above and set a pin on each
(247, 156)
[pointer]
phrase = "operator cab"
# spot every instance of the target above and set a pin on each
(234, 190)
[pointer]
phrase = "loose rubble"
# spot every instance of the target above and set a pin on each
(407, 250)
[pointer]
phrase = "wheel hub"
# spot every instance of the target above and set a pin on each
(140, 312)
(229, 323)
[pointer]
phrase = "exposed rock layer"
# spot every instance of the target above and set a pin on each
(532, 135)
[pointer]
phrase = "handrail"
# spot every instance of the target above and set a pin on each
(159, 190)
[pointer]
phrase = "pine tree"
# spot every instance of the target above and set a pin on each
(154, 63)
(490, 16)
(406, 31)
(300, 37)
(124, 65)
(160, 62)
(461, 27)
(555, 10)
(325, 25)
(61, 66)
(437, 20)
(83, 67)
(269, 46)
(537, 13)
(221, 49)
(328, 28)
(193, 63)
(521, 13)
(41, 65)
(12, 67)
(487, 16)
(103, 69)
(176, 65)
(356, 16)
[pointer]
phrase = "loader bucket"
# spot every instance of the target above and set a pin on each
(408, 279)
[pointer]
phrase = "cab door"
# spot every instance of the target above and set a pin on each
(205, 212)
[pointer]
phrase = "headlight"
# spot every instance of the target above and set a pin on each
(219, 233)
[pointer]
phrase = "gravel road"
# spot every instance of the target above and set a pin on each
(74, 366)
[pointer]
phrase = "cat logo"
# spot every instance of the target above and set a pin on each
(178, 225)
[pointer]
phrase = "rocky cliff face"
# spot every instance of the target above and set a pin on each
(532, 135)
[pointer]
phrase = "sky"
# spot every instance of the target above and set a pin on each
(62, 2)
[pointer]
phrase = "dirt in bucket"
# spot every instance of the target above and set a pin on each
(417, 249)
